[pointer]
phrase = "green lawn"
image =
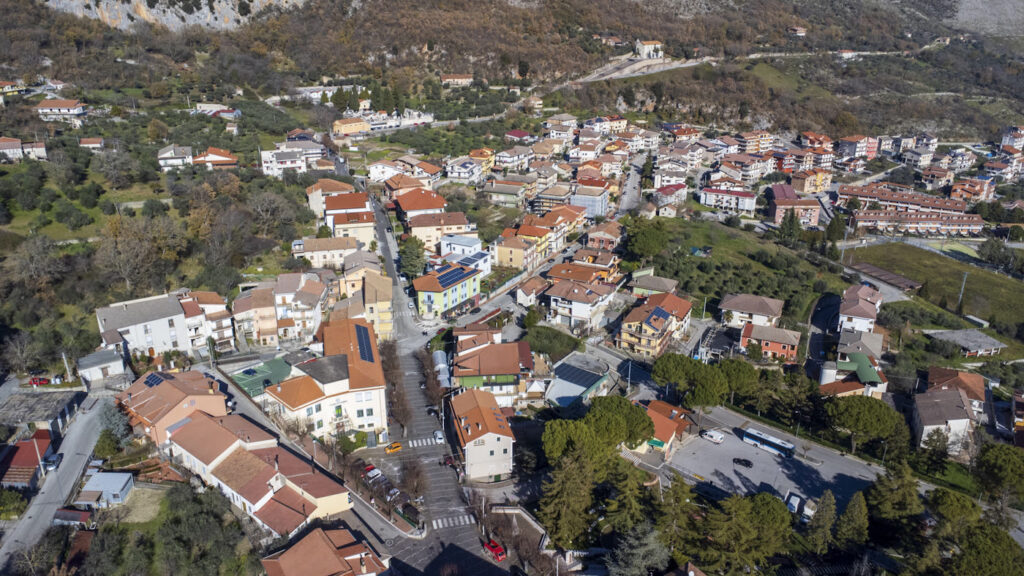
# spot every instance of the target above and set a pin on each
(987, 294)
(781, 82)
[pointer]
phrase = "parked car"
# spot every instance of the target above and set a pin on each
(412, 305)
(712, 436)
(392, 494)
(438, 437)
(412, 513)
(743, 462)
(393, 447)
(372, 474)
(53, 461)
(39, 381)
(475, 310)
(497, 550)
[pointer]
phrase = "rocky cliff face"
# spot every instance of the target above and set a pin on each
(173, 14)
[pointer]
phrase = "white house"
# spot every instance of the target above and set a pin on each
(70, 111)
(515, 158)
(464, 170)
(171, 157)
(484, 435)
(578, 305)
(275, 162)
(182, 320)
(859, 308)
(381, 170)
(103, 364)
(648, 48)
(947, 410)
(740, 309)
(460, 245)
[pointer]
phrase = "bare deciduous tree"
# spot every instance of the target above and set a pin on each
(270, 210)
(134, 250)
(34, 263)
(18, 352)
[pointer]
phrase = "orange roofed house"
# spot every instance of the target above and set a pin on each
(280, 491)
(484, 435)
(216, 159)
(343, 390)
(775, 342)
(326, 553)
(670, 423)
(157, 400)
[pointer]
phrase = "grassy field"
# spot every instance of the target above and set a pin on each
(987, 294)
(781, 82)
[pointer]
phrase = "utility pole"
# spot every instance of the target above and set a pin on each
(962, 286)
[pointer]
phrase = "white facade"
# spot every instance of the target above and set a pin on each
(729, 200)
(489, 456)
(855, 323)
(464, 170)
(173, 157)
(461, 245)
(275, 162)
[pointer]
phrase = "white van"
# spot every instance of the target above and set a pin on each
(712, 436)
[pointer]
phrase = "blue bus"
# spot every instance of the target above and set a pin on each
(768, 443)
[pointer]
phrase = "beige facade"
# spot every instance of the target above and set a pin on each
(351, 126)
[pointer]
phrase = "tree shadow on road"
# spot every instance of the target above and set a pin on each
(452, 560)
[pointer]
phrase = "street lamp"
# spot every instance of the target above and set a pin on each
(797, 412)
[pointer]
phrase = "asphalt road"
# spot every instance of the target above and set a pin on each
(814, 470)
(631, 189)
(453, 534)
(77, 445)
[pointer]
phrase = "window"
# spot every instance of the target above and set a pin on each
(318, 407)
(478, 442)
(309, 411)
(146, 329)
(369, 412)
(319, 424)
(337, 411)
(505, 451)
(174, 343)
(170, 322)
(492, 452)
(359, 413)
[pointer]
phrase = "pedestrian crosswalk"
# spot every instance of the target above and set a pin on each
(420, 442)
(453, 521)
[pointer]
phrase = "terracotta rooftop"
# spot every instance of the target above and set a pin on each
(296, 392)
(442, 219)
(329, 186)
(753, 304)
(206, 437)
(420, 199)
(285, 511)
(155, 394)
(245, 474)
(972, 384)
(353, 201)
(342, 337)
(325, 553)
(475, 414)
(491, 360)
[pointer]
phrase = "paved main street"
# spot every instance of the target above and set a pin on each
(453, 535)
(77, 445)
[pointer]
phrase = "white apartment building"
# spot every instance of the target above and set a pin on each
(484, 435)
(734, 201)
(182, 320)
(340, 392)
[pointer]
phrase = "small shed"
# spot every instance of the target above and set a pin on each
(106, 489)
(104, 364)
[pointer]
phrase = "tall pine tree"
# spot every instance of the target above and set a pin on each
(820, 526)
(676, 519)
(852, 527)
(568, 497)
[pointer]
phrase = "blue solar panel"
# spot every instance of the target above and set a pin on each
(365, 345)
(153, 379)
(578, 376)
(658, 312)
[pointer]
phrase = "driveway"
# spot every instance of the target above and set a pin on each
(79, 439)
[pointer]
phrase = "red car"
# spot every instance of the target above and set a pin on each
(496, 550)
(39, 381)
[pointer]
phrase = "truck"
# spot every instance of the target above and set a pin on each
(802, 507)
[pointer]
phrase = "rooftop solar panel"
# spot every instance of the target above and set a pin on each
(578, 376)
(365, 345)
(153, 379)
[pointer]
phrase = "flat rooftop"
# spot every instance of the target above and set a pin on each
(24, 407)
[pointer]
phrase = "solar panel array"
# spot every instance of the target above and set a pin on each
(153, 379)
(365, 344)
(579, 376)
(453, 275)
(658, 312)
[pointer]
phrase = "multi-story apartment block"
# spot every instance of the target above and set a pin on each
(918, 223)
(650, 326)
(734, 201)
(183, 320)
(324, 188)
(290, 308)
(340, 392)
(893, 197)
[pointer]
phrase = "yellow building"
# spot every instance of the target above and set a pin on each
(377, 304)
(517, 252)
(351, 126)
(486, 158)
(814, 181)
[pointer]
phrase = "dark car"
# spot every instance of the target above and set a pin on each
(743, 462)
(475, 310)
(53, 462)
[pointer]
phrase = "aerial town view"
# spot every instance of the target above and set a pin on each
(562, 287)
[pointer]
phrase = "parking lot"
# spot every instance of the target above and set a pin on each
(808, 475)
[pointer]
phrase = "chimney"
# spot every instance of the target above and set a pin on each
(362, 561)
(479, 426)
(210, 387)
(278, 387)
(129, 397)
(276, 468)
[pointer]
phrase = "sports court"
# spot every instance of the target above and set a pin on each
(254, 380)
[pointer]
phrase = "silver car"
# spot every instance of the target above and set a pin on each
(438, 437)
